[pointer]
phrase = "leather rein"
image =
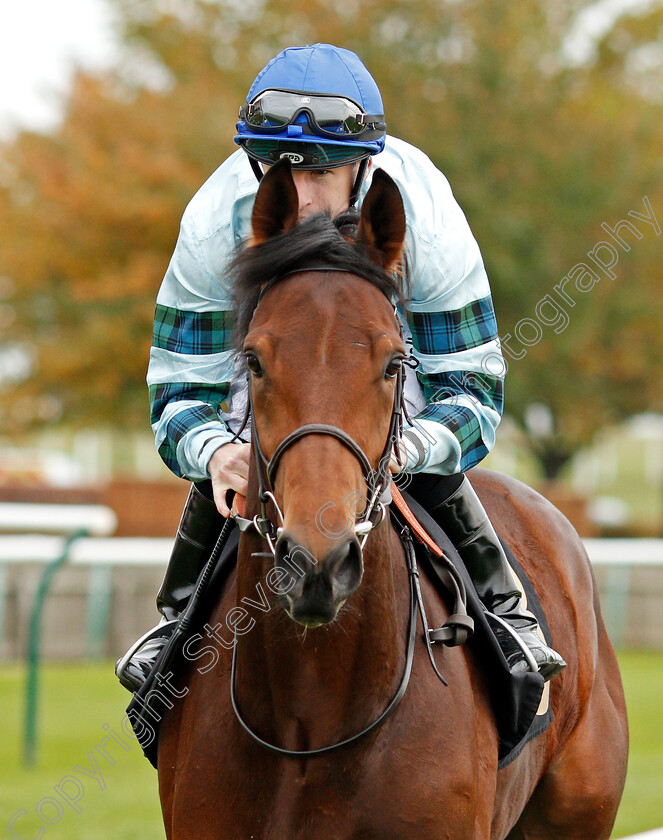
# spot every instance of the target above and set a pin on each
(378, 483)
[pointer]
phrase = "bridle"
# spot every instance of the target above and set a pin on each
(377, 480)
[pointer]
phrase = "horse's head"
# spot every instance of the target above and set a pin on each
(323, 346)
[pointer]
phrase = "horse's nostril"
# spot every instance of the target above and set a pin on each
(313, 591)
(282, 550)
(293, 561)
(346, 568)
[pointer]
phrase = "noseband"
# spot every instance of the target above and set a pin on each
(377, 480)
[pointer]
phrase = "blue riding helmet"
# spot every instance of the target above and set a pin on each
(318, 106)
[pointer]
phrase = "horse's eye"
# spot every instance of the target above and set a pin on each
(394, 367)
(253, 364)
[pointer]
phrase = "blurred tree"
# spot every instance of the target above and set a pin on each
(541, 148)
(89, 218)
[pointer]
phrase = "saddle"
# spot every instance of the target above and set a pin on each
(520, 701)
(520, 712)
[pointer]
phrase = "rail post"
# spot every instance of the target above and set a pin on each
(73, 522)
(34, 647)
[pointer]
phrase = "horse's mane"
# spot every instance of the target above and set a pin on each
(318, 241)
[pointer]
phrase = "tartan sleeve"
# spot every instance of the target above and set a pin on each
(461, 376)
(193, 388)
(191, 365)
(458, 400)
(197, 408)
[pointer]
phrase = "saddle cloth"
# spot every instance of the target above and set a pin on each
(519, 700)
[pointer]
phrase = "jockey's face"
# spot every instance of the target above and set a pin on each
(324, 190)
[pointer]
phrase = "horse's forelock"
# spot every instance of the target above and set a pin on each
(318, 241)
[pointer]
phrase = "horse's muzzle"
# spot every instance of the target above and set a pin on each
(315, 589)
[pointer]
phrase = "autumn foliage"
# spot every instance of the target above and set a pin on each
(541, 147)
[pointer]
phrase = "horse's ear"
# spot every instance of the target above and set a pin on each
(382, 221)
(276, 207)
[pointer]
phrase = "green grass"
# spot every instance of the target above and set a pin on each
(76, 702)
(642, 805)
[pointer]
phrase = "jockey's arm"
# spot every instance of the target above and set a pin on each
(461, 377)
(454, 333)
(191, 361)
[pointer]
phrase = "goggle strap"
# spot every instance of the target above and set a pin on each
(371, 120)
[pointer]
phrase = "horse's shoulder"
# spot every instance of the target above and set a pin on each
(507, 497)
(542, 538)
(494, 483)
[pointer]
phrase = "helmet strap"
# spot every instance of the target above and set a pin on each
(361, 174)
(257, 171)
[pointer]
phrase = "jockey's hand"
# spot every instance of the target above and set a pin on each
(229, 470)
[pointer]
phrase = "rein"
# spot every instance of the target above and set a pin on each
(378, 482)
(413, 573)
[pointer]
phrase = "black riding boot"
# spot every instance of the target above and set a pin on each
(197, 534)
(465, 521)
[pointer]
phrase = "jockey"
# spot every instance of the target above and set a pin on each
(319, 107)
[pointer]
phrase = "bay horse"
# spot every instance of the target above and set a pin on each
(319, 661)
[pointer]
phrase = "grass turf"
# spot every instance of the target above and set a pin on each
(642, 804)
(119, 798)
(81, 705)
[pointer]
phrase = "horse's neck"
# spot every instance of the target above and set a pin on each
(305, 688)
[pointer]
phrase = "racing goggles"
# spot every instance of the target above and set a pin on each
(328, 116)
